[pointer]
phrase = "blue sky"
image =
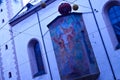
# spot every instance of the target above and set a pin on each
(25, 1)
(33, 1)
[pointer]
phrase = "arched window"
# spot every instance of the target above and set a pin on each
(111, 15)
(114, 16)
(36, 60)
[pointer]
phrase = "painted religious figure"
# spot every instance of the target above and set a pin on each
(72, 48)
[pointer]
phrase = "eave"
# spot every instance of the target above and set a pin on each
(27, 13)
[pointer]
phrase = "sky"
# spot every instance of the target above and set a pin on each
(25, 1)
(33, 1)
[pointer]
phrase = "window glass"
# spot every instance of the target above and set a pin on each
(39, 60)
(0, 1)
(36, 59)
(114, 15)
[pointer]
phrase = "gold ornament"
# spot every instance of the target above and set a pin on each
(75, 7)
(43, 4)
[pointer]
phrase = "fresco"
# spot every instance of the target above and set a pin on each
(72, 48)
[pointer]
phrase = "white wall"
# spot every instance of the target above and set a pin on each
(21, 44)
(28, 29)
(7, 56)
(112, 53)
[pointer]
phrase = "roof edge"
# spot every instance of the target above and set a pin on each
(27, 13)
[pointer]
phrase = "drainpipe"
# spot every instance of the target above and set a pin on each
(102, 40)
(44, 44)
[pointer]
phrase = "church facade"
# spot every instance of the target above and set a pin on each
(61, 40)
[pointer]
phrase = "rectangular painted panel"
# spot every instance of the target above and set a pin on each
(73, 51)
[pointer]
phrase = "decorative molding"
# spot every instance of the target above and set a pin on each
(9, 8)
(15, 58)
(1, 68)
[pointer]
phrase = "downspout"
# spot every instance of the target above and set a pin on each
(44, 44)
(102, 40)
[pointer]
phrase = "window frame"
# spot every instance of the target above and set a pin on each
(109, 26)
(32, 58)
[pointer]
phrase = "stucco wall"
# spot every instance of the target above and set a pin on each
(7, 56)
(29, 28)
